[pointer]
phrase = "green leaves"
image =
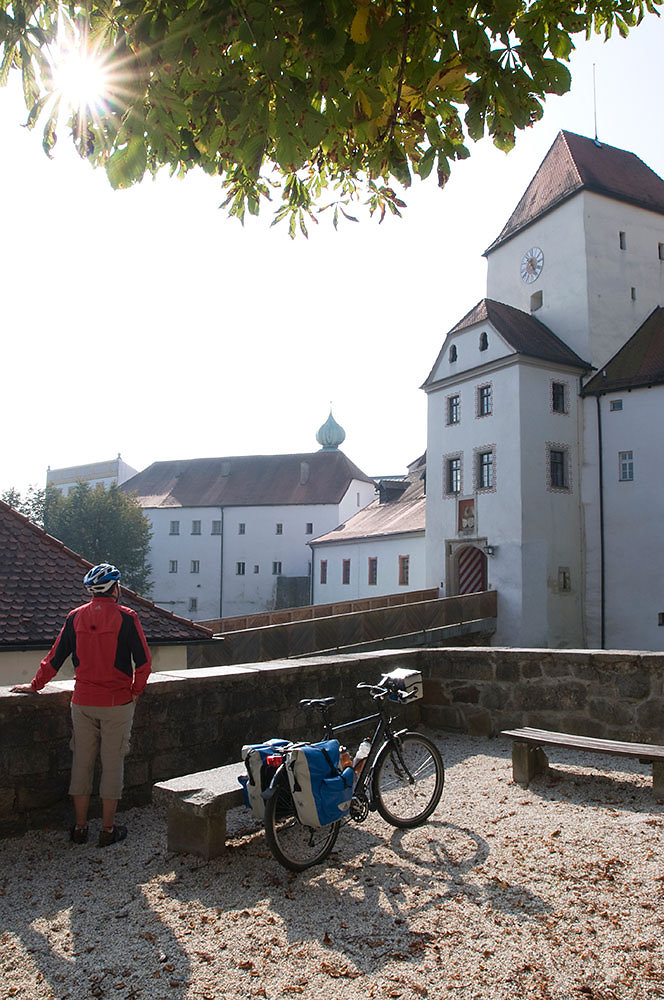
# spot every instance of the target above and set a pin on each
(333, 101)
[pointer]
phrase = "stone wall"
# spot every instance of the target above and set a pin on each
(192, 720)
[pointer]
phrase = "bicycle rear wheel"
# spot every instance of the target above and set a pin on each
(408, 780)
(294, 845)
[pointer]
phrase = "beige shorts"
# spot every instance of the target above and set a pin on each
(103, 731)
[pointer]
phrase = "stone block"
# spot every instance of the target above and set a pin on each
(468, 694)
(31, 797)
(631, 683)
(29, 760)
(507, 670)
(527, 762)
(478, 723)
(650, 720)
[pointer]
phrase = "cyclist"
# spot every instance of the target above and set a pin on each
(103, 638)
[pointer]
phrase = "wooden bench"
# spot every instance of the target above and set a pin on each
(197, 806)
(529, 759)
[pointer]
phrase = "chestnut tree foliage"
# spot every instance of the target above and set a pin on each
(318, 104)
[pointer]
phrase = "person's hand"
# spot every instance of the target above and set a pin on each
(23, 689)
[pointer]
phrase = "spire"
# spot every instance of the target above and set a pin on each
(330, 435)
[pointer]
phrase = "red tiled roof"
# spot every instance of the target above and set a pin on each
(407, 513)
(522, 331)
(575, 163)
(41, 581)
(320, 477)
(638, 364)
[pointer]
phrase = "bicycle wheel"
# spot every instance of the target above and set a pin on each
(408, 780)
(294, 845)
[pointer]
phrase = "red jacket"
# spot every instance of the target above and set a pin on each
(102, 638)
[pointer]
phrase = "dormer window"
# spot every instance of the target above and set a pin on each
(453, 352)
(484, 341)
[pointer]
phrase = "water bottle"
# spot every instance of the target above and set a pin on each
(344, 758)
(361, 755)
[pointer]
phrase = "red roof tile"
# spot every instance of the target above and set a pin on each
(638, 364)
(575, 163)
(320, 477)
(41, 580)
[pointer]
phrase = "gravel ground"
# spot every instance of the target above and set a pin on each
(554, 893)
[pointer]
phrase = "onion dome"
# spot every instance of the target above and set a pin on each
(330, 435)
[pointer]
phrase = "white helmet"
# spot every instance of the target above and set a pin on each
(101, 578)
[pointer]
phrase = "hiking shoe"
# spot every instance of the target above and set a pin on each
(78, 835)
(108, 837)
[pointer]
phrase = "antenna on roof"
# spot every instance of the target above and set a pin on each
(597, 142)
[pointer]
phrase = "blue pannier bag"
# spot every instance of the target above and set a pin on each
(259, 773)
(321, 791)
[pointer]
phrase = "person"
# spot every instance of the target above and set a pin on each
(103, 638)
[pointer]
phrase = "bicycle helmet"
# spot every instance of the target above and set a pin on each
(100, 579)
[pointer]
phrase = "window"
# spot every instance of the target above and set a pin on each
(257, 569)
(484, 341)
(404, 570)
(484, 401)
(485, 470)
(622, 241)
(241, 528)
(345, 571)
(279, 528)
(323, 571)
(309, 528)
(625, 466)
(453, 409)
(175, 528)
(536, 301)
(660, 251)
(173, 566)
(633, 294)
(615, 404)
(558, 469)
(239, 569)
(216, 528)
(276, 569)
(193, 604)
(195, 527)
(558, 397)
(453, 484)
(453, 353)
(564, 580)
(195, 566)
(373, 571)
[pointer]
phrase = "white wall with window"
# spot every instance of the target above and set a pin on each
(185, 555)
(372, 567)
(633, 481)
(496, 456)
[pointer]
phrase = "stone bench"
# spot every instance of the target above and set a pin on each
(197, 806)
(529, 759)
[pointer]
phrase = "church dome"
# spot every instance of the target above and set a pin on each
(330, 435)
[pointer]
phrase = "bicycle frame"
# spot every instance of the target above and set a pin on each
(383, 733)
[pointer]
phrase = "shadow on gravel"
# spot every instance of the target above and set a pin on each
(563, 783)
(79, 932)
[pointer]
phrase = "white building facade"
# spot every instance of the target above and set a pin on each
(514, 497)
(113, 472)
(230, 535)
(378, 551)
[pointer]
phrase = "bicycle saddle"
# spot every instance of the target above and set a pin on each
(317, 702)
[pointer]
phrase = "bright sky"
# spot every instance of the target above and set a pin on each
(147, 323)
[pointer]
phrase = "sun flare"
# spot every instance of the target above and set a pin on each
(81, 79)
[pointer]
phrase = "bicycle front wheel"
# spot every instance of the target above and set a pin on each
(294, 845)
(408, 780)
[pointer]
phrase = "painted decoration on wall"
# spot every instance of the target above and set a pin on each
(472, 570)
(466, 515)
